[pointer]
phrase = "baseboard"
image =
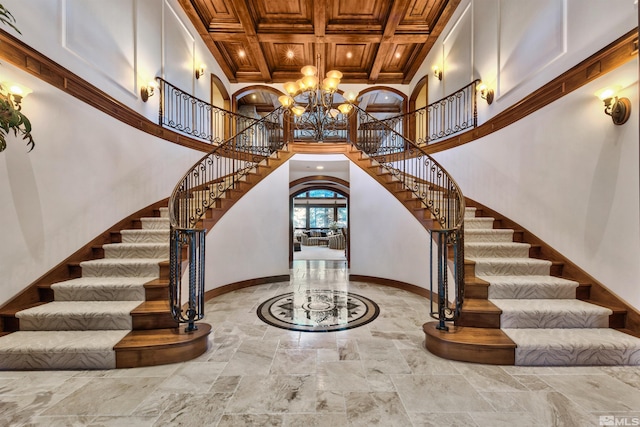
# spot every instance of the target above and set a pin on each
(221, 290)
(394, 284)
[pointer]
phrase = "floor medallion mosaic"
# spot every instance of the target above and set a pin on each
(318, 311)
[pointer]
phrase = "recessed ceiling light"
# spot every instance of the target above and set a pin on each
(290, 54)
(242, 53)
(319, 167)
(386, 98)
(397, 54)
(253, 96)
(349, 55)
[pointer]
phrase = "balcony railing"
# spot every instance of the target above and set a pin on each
(441, 119)
(187, 114)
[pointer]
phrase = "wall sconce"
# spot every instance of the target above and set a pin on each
(200, 71)
(618, 108)
(437, 72)
(485, 92)
(14, 94)
(147, 91)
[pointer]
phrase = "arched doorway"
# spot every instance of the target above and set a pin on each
(319, 218)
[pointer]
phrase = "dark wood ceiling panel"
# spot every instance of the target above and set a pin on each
(372, 41)
(290, 16)
(218, 16)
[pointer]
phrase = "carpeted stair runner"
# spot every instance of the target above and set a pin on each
(91, 314)
(540, 312)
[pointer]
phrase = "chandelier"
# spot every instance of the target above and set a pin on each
(311, 105)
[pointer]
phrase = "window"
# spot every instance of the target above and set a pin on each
(320, 217)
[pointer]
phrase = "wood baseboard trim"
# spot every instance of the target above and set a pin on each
(423, 292)
(221, 290)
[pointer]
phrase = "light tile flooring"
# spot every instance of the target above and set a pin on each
(378, 374)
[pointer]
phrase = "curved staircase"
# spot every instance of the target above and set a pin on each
(518, 310)
(110, 309)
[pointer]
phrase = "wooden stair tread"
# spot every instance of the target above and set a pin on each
(151, 307)
(469, 344)
(154, 338)
(474, 305)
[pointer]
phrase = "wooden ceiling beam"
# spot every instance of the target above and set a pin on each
(396, 14)
(319, 26)
(252, 38)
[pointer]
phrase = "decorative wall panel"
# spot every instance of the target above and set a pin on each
(457, 71)
(532, 35)
(178, 50)
(103, 34)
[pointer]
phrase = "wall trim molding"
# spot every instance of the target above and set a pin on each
(33, 62)
(605, 60)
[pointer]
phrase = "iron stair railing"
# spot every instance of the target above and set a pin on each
(205, 185)
(187, 114)
(441, 119)
(436, 190)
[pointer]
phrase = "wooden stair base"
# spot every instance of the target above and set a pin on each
(479, 313)
(161, 346)
(467, 344)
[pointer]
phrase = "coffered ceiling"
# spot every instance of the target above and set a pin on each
(369, 41)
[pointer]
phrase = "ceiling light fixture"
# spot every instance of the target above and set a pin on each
(242, 53)
(311, 104)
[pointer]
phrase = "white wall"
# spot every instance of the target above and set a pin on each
(570, 176)
(516, 46)
(252, 239)
(87, 172)
(386, 239)
(119, 45)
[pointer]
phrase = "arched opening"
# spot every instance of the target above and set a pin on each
(319, 219)
(255, 101)
(384, 103)
(219, 94)
(417, 123)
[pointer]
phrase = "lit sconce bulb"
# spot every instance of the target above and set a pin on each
(285, 101)
(147, 91)
(200, 71)
(350, 96)
(334, 74)
(309, 70)
(297, 110)
(345, 108)
(437, 72)
(310, 82)
(485, 92)
(291, 88)
(619, 109)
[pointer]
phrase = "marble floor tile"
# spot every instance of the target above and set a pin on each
(274, 394)
(241, 420)
(375, 408)
(439, 419)
(345, 375)
(378, 374)
(294, 362)
(106, 396)
(439, 393)
(596, 392)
